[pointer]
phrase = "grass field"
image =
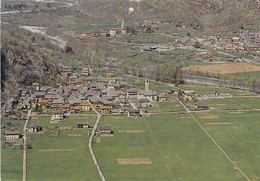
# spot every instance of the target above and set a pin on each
(177, 147)
(240, 138)
(210, 90)
(12, 156)
(62, 157)
(225, 68)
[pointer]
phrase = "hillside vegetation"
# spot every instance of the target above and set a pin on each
(186, 12)
(23, 61)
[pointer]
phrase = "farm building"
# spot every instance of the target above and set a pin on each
(12, 135)
(144, 103)
(202, 106)
(117, 31)
(35, 128)
(162, 97)
(105, 130)
(85, 106)
(105, 109)
(82, 125)
(58, 115)
(135, 113)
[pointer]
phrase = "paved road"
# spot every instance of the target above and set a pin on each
(214, 141)
(24, 145)
(90, 145)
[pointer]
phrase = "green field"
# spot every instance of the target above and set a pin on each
(61, 157)
(12, 156)
(178, 148)
(239, 138)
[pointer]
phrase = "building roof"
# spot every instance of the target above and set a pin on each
(105, 128)
(117, 29)
(12, 133)
(82, 123)
(133, 111)
(34, 126)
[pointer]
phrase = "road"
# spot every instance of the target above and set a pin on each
(24, 145)
(90, 145)
(215, 142)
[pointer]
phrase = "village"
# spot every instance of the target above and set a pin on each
(81, 94)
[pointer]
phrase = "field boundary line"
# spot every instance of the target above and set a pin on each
(215, 142)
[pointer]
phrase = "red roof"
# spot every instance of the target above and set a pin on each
(80, 81)
(43, 101)
(52, 89)
(117, 29)
(76, 108)
(110, 74)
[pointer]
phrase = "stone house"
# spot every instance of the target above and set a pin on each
(12, 135)
(105, 130)
(35, 128)
(82, 125)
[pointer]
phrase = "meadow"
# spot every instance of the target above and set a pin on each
(60, 157)
(177, 147)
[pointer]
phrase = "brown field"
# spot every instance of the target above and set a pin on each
(74, 135)
(185, 117)
(130, 131)
(65, 128)
(209, 117)
(107, 135)
(134, 161)
(48, 150)
(235, 112)
(98, 140)
(220, 123)
(225, 68)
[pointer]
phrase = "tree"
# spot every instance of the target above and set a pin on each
(251, 83)
(48, 5)
(68, 49)
(197, 45)
(139, 72)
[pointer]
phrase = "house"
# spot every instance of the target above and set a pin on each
(105, 130)
(105, 109)
(188, 94)
(202, 106)
(124, 110)
(75, 109)
(162, 97)
(117, 31)
(135, 113)
(35, 128)
(147, 94)
(144, 103)
(12, 135)
(131, 93)
(35, 86)
(85, 71)
(82, 125)
(85, 106)
(180, 113)
(58, 115)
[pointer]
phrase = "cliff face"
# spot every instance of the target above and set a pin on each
(23, 62)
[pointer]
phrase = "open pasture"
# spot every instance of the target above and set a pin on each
(178, 149)
(238, 135)
(65, 155)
